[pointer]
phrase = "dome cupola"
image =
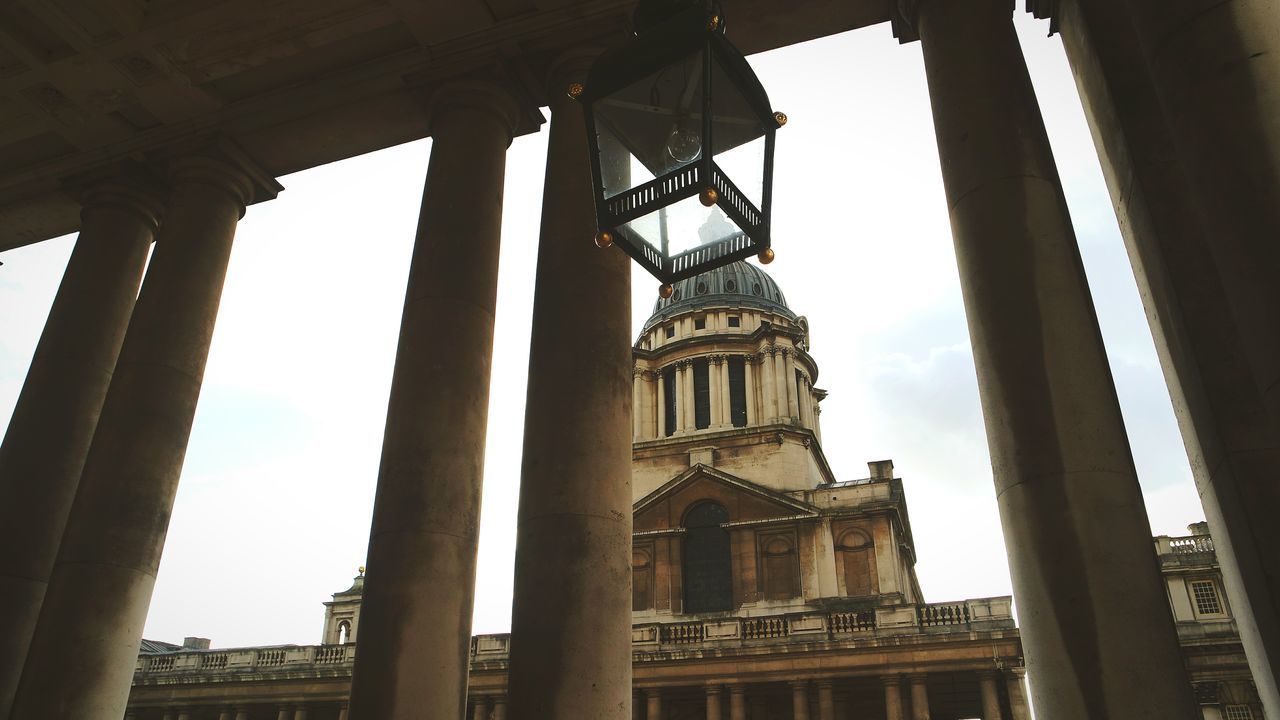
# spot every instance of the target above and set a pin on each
(737, 285)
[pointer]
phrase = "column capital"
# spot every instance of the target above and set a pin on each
(825, 683)
(737, 689)
(131, 186)
(890, 680)
(221, 163)
(799, 684)
(1017, 672)
(714, 689)
(918, 677)
(652, 692)
(904, 15)
(478, 95)
(569, 67)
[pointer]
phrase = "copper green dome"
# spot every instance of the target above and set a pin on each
(739, 284)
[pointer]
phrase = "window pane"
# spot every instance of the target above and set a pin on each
(708, 578)
(669, 393)
(737, 390)
(1206, 597)
(701, 395)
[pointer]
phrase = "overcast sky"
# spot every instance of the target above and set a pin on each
(272, 515)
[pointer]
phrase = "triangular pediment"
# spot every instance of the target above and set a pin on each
(745, 501)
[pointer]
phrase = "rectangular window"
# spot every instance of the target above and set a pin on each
(671, 331)
(669, 400)
(700, 324)
(1206, 597)
(738, 391)
(1239, 712)
(735, 321)
(701, 394)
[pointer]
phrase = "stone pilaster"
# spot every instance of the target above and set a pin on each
(990, 696)
(800, 700)
(737, 702)
(826, 701)
(892, 697)
(101, 583)
(1074, 523)
(714, 711)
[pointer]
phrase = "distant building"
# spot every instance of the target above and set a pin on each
(763, 588)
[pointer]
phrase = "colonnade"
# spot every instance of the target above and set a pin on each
(91, 460)
(825, 699)
(774, 393)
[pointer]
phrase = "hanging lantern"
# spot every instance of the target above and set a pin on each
(681, 137)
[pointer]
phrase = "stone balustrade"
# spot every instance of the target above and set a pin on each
(969, 615)
(1186, 550)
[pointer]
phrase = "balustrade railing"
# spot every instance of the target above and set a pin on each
(847, 622)
(763, 627)
(683, 633)
(943, 614)
(1191, 544)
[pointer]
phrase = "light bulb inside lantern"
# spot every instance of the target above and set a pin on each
(684, 145)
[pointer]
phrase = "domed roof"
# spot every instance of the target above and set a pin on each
(738, 284)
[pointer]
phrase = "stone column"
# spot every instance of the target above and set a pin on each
(782, 388)
(800, 700)
(713, 703)
(715, 390)
(769, 387)
(185, 714)
(726, 404)
(102, 580)
(242, 713)
(690, 404)
(415, 633)
(226, 714)
(56, 413)
(480, 708)
(990, 696)
(662, 403)
(826, 701)
(343, 713)
(300, 712)
(284, 713)
(737, 702)
(571, 612)
(681, 406)
(892, 697)
(1233, 443)
(919, 696)
(168, 715)
(500, 707)
(637, 417)
(749, 376)
(789, 377)
(1017, 694)
(1075, 527)
(653, 704)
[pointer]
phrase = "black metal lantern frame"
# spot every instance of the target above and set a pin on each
(697, 82)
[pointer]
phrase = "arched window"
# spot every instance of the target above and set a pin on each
(708, 577)
(779, 568)
(344, 632)
(857, 557)
(641, 580)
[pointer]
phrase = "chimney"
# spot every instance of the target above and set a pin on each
(1199, 528)
(881, 469)
(195, 643)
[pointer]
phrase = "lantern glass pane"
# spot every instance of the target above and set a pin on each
(681, 227)
(657, 119)
(737, 134)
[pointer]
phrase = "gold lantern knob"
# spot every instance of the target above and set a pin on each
(604, 239)
(708, 196)
(766, 256)
(575, 89)
(780, 118)
(664, 291)
(361, 569)
(713, 23)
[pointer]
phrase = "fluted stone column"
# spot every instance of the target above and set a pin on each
(769, 387)
(990, 696)
(826, 701)
(637, 417)
(653, 704)
(57, 410)
(1075, 526)
(737, 702)
(919, 684)
(662, 404)
(800, 700)
(789, 379)
(687, 399)
(714, 711)
(892, 697)
(715, 390)
(1018, 694)
(749, 377)
(415, 632)
(1233, 443)
(101, 582)
(726, 404)
(682, 407)
(571, 612)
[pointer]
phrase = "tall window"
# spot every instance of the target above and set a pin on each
(641, 579)
(1239, 712)
(669, 400)
(857, 558)
(1206, 597)
(701, 394)
(738, 391)
(344, 632)
(708, 577)
(779, 567)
